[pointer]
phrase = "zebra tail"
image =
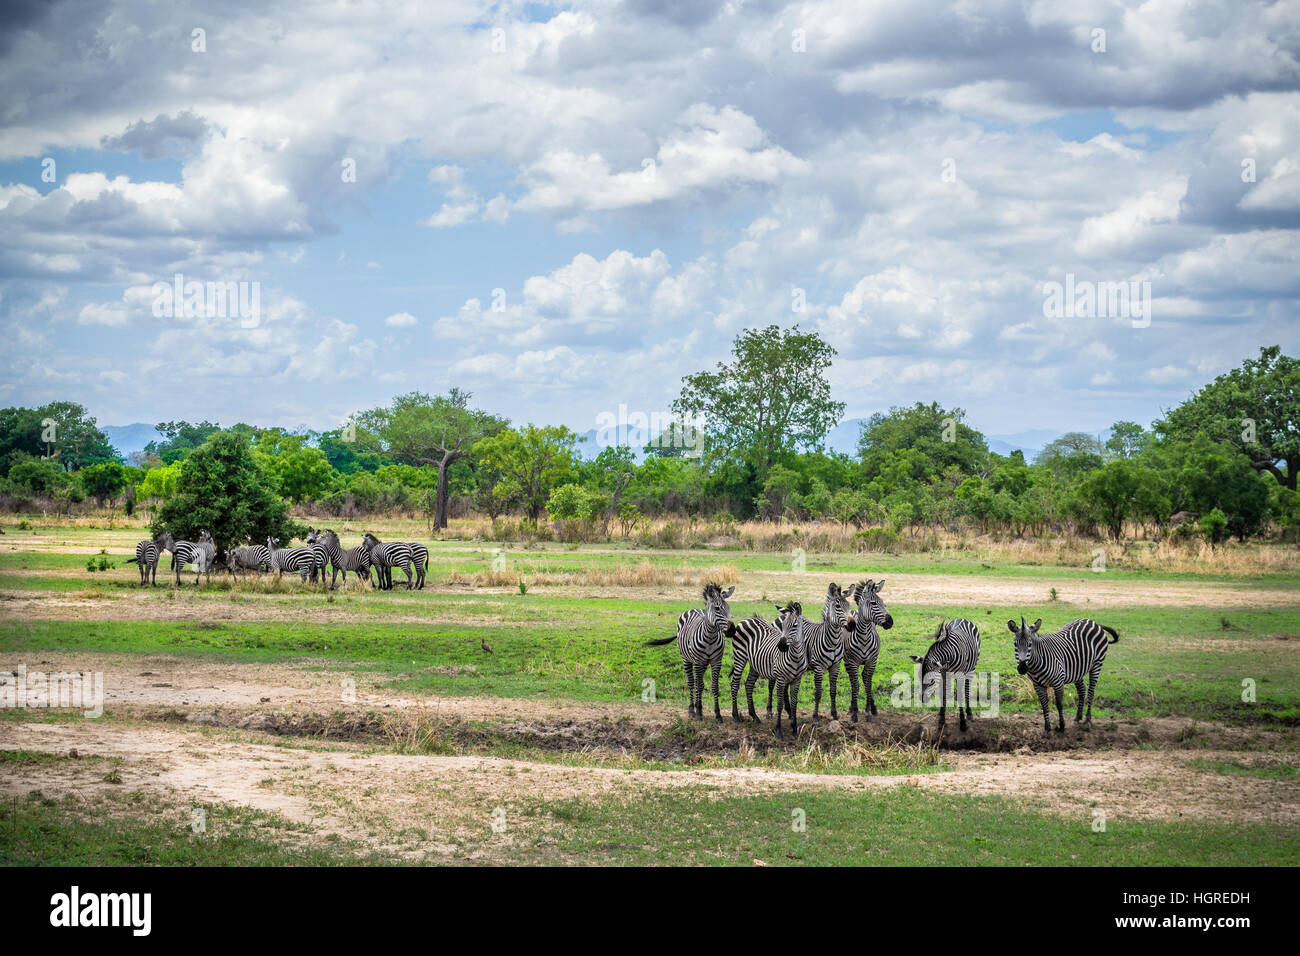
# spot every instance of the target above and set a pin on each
(1112, 631)
(666, 640)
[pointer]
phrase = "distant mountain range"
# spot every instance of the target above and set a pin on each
(128, 438)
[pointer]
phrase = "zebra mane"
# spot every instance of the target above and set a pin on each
(711, 587)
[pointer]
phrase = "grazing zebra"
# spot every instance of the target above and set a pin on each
(1065, 656)
(824, 645)
(146, 556)
(385, 557)
(298, 560)
(699, 639)
(202, 554)
(419, 562)
(353, 559)
(790, 666)
(248, 558)
(862, 643)
(756, 643)
(953, 655)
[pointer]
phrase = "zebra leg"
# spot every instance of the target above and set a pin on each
(969, 714)
(1092, 689)
(699, 689)
(852, 670)
(735, 693)
(406, 569)
(961, 714)
(835, 679)
(717, 710)
(771, 684)
(792, 705)
(749, 693)
(817, 694)
(1060, 711)
(779, 701)
(1078, 693)
(1041, 690)
(868, 687)
(690, 689)
(943, 696)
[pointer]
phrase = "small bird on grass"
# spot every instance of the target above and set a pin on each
(485, 645)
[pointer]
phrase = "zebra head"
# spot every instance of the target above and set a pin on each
(1026, 642)
(165, 541)
(272, 544)
(791, 623)
(871, 609)
(311, 535)
(716, 608)
(930, 670)
(835, 612)
(205, 536)
(370, 541)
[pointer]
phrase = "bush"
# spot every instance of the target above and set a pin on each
(875, 539)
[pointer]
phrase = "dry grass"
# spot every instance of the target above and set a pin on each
(643, 574)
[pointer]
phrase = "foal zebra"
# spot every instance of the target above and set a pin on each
(300, 561)
(862, 643)
(699, 639)
(824, 646)
(1065, 656)
(954, 654)
(353, 559)
(201, 554)
(769, 652)
(147, 553)
(387, 556)
(248, 558)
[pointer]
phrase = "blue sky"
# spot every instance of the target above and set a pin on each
(641, 181)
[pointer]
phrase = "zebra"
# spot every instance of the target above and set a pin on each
(1065, 656)
(353, 559)
(862, 643)
(419, 562)
(954, 654)
(756, 643)
(699, 639)
(789, 668)
(147, 553)
(201, 554)
(387, 556)
(320, 555)
(248, 557)
(298, 560)
(824, 647)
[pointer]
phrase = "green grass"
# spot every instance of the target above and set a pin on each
(133, 829)
(1236, 768)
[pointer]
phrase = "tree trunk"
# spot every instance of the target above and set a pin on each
(440, 515)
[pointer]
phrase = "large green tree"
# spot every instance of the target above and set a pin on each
(1254, 409)
(531, 461)
(224, 489)
(771, 399)
(431, 430)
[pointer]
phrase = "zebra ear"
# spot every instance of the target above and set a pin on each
(915, 658)
(730, 591)
(878, 585)
(1036, 625)
(1013, 627)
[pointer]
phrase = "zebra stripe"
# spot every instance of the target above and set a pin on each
(300, 561)
(353, 559)
(862, 643)
(824, 645)
(385, 557)
(1066, 656)
(952, 656)
(700, 636)
(762, 647)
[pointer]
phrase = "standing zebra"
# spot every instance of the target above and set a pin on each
(298, 560)
(385, 557)
(953, 655)
(824, 646)
(353, 559)
(320, 555)
(147, 553)
(1065, 656)
(790, 665)
(419, 562)
(862, 643)
(201, 554)
(757, 643)
(248, 558)
(699, 639)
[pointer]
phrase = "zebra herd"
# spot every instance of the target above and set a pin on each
(323, 551)
(785, 649)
